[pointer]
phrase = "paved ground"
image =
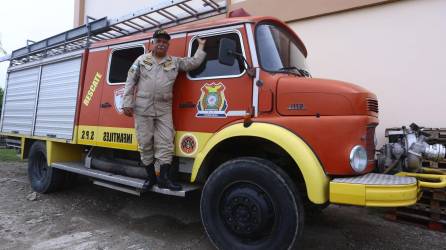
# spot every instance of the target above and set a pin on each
(91, 217)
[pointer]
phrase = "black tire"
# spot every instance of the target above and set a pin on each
(43, 178)
(250, 203)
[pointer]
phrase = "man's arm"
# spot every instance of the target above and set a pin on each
(191, 63)
(129, 89)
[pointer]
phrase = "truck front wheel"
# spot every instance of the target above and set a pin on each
(43, 178)
(250, 203)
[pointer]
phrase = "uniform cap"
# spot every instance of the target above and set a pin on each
(161, 34)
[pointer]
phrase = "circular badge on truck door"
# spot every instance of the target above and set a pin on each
(188, 144)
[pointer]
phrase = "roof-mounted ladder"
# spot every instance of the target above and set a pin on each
(166, 14)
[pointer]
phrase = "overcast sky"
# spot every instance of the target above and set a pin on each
(31, 19)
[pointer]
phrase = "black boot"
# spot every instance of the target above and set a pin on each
(151, 176)
(164, 180)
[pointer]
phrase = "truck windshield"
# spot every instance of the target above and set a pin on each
(278, 51)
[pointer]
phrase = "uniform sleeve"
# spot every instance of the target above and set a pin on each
(191, 63)
(130, 84)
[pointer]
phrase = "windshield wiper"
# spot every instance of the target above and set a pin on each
(302, 72)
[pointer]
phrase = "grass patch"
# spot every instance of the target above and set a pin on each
(7, 154)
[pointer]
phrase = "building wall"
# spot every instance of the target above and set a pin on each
(110, 8)
(395, 50)
(291, 10)
(286, 10)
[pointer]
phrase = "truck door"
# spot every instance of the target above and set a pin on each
(115, 130)
(91, 96)
(211, 96)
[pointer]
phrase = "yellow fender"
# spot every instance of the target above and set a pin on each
(315, 179)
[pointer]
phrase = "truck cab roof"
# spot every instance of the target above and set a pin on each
(197, 26)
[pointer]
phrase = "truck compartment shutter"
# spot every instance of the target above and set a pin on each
(56, 106)
(18, 110)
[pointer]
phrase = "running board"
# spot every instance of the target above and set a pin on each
(118, 187)
(109, 180)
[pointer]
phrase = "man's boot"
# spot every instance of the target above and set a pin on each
(164, 180)
(151, 176)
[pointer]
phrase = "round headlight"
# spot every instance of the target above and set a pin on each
(358, 158)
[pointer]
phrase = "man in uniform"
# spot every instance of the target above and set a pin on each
(148, 96)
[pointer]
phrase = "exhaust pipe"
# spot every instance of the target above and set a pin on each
(116, 168)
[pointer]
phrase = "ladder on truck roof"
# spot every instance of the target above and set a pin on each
(165, 14)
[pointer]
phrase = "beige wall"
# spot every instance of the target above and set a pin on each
(111, 8)
(290, 10)
(79, 14)
(395, 50)
(286, 10)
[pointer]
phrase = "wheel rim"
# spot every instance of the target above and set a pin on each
(247, 211)
(40, 166)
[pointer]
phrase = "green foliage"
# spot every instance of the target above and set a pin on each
(8, 155)
(1, 99)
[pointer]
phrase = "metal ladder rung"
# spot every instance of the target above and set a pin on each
(137, 25)
(118, 30)
(212, 4)
(164, 14)
(153, 20)
(184, 7)
(187, 5)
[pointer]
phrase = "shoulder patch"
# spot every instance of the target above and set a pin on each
(134, 67)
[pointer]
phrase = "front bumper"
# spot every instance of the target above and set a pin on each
(375, 190)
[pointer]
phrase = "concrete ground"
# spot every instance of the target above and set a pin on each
(91, 217)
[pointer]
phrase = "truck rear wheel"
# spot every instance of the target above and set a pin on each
(250, 203)
(44, 179)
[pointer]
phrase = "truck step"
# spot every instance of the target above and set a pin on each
(119, 182)
(79, 168)
(133, 191)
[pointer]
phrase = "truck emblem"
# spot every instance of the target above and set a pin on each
(119, 99)
(296, 106)
(212, 102)
(188, 144)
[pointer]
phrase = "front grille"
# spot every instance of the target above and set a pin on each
(370, 143)
(372, 105)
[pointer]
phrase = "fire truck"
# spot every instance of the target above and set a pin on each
(260, 138)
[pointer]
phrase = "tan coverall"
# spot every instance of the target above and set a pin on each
(153, 102)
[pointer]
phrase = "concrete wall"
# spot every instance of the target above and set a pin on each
(396, 50)
(115, 8)
(286, 10)
(291, 10)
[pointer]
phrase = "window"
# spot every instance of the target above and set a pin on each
(120, 63)
(211, 67)
(278, 50)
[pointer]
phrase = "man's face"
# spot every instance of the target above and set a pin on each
(160, 47)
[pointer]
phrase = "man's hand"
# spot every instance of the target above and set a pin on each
(201, 43)
(128, 111)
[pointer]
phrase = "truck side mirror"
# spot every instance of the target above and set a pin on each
(226, 52)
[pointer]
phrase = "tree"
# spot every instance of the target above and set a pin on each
(2, 53)
(1, 99)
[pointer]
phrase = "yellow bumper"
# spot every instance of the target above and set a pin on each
(375, 190)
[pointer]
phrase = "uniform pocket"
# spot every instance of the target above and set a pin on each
(171, 71)
(146, 70)
(143, 103)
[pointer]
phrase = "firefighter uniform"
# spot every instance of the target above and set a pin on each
(148, 91)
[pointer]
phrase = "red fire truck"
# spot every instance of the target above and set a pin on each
(260, 137)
